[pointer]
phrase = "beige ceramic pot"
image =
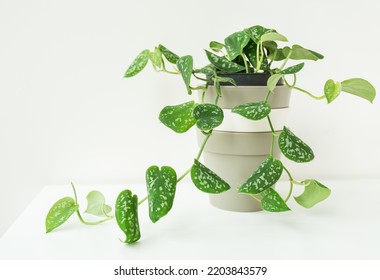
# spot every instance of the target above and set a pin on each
(238, 146)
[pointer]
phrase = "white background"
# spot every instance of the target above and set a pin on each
(66, 113)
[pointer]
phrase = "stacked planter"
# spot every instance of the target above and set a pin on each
(238, 146)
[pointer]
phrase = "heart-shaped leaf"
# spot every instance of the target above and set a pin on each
(359, 87)
(271, 201)
(170, 56)
(300, 53)
(314, 193)
(126, 215)
(138, 64)
(273, 36)
(265, 176)
(216, 46)
(206, 180)
(60, 212)
(273, 80)
(332, 90)
(223, 63)
(253, 111)
(235, 43)
(155, 57)
(161, 185)
(292, 69)
(178, 117)
(185, 67)
(294, 148)
(256, 32)
(208, 116)
(96, 204)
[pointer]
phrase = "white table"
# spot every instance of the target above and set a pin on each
(346, 226)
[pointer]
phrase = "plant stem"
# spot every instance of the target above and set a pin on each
(286, 60)
(270, 124)
(203, 146)
(75, 193)
(256, 198)
(258, 64)
(92, 223)
(142, 200)
(245, 63)
(267, 96)
(302, 90)
(291, 184)
(309, 94)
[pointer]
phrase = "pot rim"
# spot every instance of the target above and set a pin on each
(247, 79)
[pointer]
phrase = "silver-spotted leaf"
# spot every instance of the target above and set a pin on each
(294, 148)
(314, 193)
(235, 43)
(169, 55)
(161, 185)
(207, 70)
(265, 176)
(126, 214)
(271, 201)
(223, 63)
(292, 69)
(255, 32)
(359, 87)
(138, 64)
(178, 117)
(60, 212)
(253, 111)
(250, 52)
(206, 180)
(208, 116)
(332, 90)
(185, 67)
(96, 204)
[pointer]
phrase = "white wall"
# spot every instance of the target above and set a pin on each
(66, 114)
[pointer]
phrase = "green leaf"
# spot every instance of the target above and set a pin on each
(251, 54)
(208, 116)
(126, 214)
(292, 69)
(273, 36)
(226, 80)
(178, 117)
(216, 46)
(206, 180)
(272, 201)
(235, 44)
(224, 64)
(170, 56)
(255, 32)
(253, 111)
(265, 176)
(294, 148)
(359, 87)
(277, 55)
(60, 212)
(185, 67)
(138, 64)
(96, 204)
(314, 193)
(207, 70)
(161, 185)
(155, 58)
(300, 53)
(332, 90)
(273, 80)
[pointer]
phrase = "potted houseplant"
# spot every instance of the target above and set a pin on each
(243, 98)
